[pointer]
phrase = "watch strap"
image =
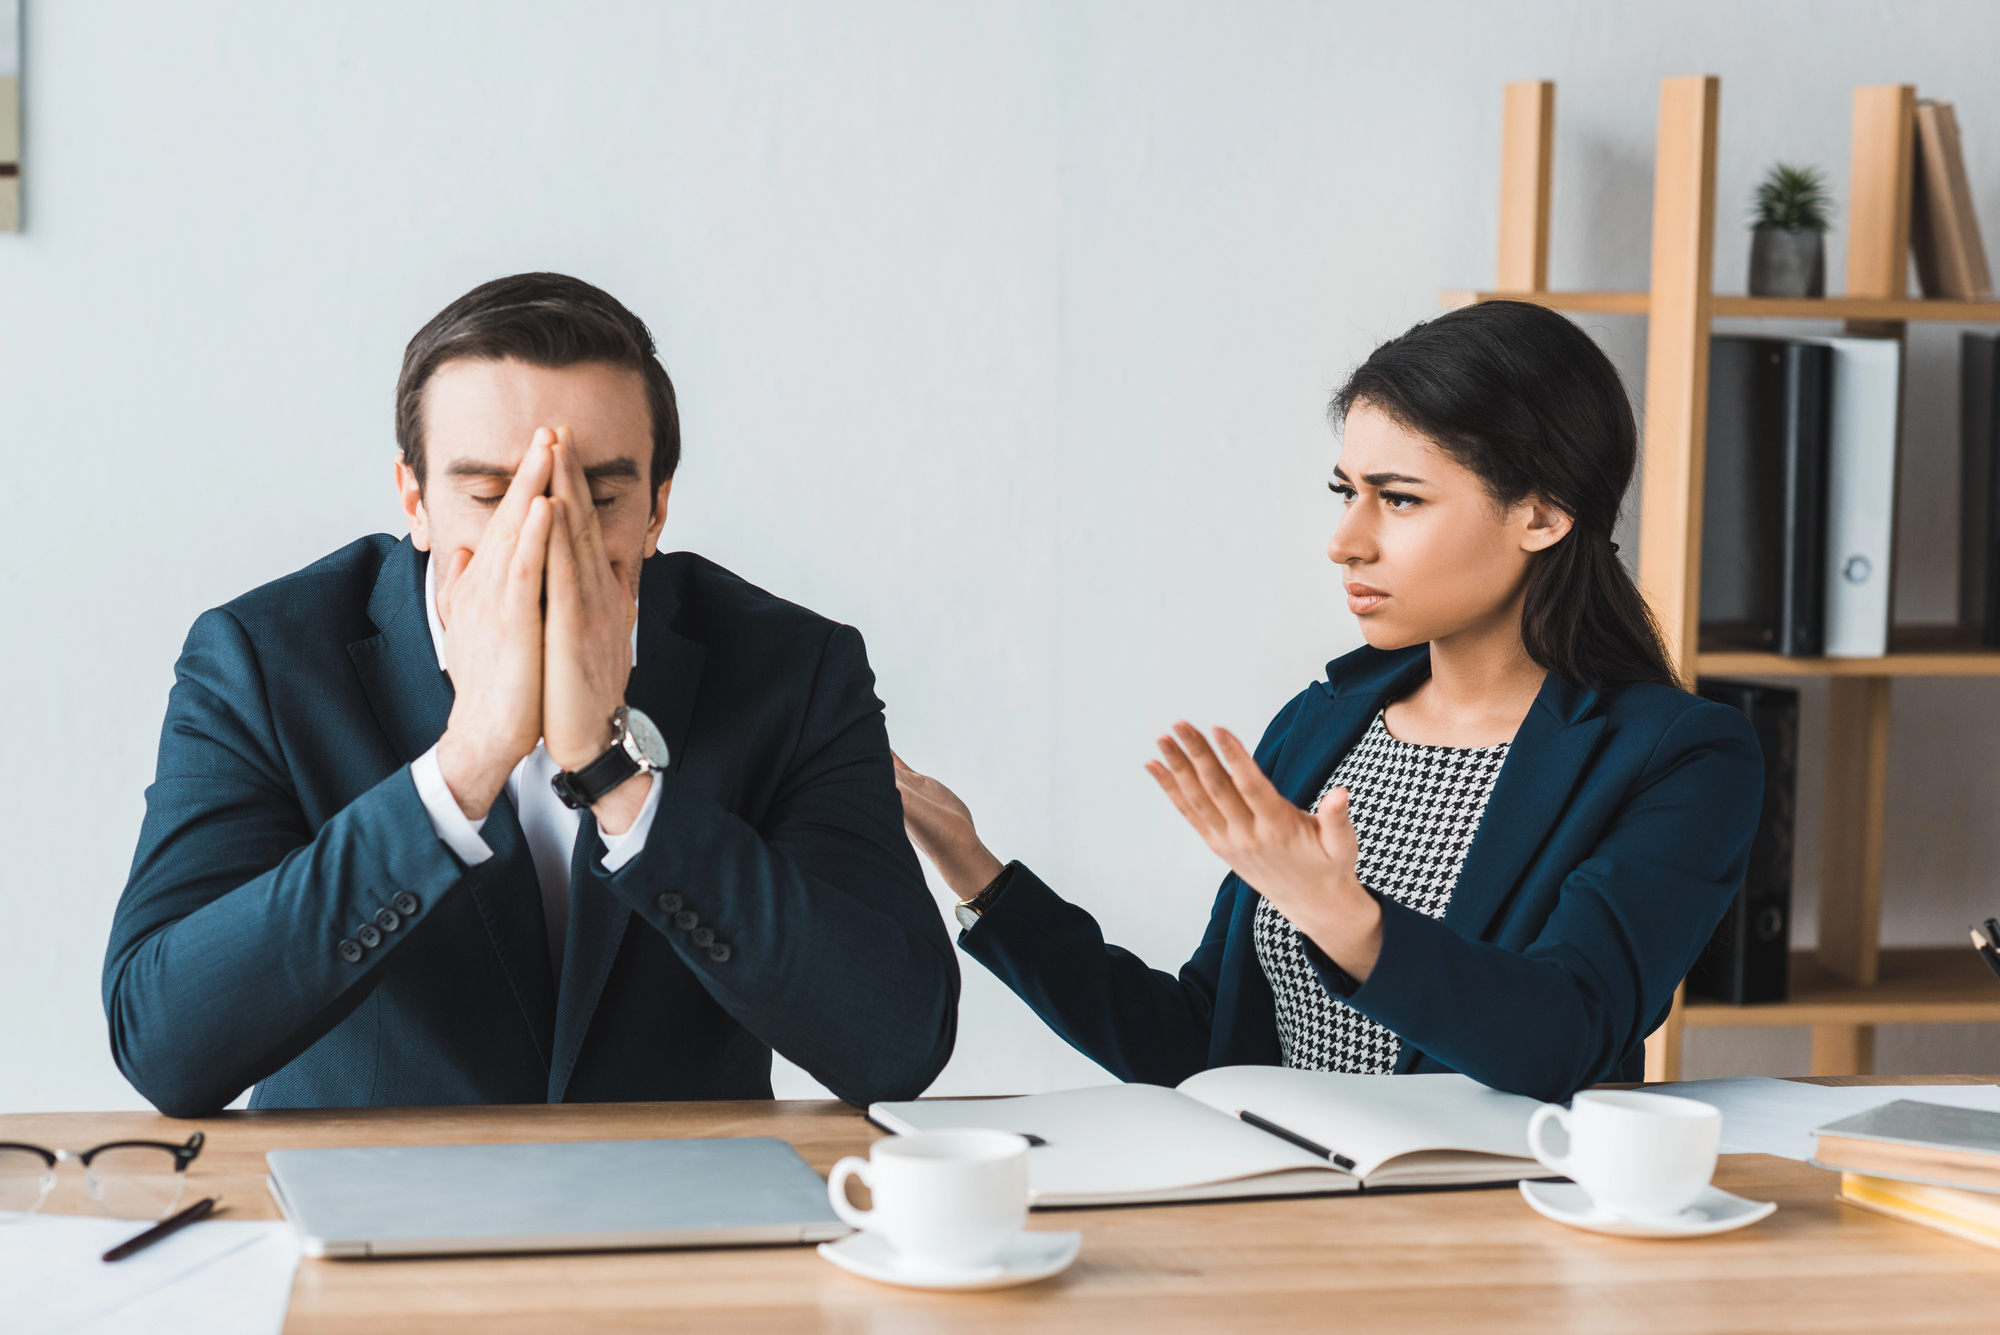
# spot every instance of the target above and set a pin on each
(986, 898)
(582, 788)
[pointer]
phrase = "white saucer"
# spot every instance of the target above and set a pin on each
(1714, 1211)
(1029, 1257)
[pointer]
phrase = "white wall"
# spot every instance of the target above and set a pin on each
(1002, 331)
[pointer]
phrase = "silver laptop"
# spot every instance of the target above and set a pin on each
(430, 1200)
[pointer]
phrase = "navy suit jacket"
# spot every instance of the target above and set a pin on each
(283, 818)
(1615, 836)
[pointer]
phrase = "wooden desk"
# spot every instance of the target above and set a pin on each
(1417, 1263)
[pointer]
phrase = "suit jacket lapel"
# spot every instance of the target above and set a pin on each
(399, 667)
(1332, 718)
(663, 686)
(412, 701)
(1543, 764)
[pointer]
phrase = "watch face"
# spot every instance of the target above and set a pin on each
(646, 739)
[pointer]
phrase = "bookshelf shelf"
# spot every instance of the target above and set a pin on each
(1951, 663)
(1906, 309)
(1850, 984)
(1926, 986)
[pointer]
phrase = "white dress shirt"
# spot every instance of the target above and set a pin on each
(550, 826)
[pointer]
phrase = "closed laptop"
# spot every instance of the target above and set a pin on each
(428, 1200)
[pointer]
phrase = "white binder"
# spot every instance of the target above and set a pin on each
(1861, 495)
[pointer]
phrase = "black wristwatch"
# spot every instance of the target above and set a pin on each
(637, 748)
(969, 911)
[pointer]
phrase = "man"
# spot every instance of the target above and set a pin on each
(518, 808)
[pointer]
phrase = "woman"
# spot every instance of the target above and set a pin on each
(1518, 830)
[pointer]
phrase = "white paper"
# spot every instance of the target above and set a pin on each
(219, 1278)
(1765, 1116)
(10, 47)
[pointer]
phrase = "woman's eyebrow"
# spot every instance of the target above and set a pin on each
(1383, 479)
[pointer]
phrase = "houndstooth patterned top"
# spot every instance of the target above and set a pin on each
(1415, 810)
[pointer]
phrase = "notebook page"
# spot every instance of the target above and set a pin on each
(1373, 1118)
(1113, 1140)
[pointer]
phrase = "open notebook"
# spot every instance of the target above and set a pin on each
(1249, 1131)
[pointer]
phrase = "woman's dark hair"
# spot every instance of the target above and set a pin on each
(1529, 403)
(543, 319)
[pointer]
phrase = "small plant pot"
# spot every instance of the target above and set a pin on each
(1787, 263)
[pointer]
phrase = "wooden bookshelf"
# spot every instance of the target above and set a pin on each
(1926, 986)
(1850, 985)
(1970, 663)
(1769, 308)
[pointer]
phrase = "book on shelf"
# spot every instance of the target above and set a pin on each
(1979, 494)
(1245, 1131)
(1764, 495)
(1861, 494)
(1913, 1141)
(1944, 225)
(1972, 1215)
(1748, 958)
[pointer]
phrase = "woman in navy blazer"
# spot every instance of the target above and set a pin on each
(1485, 456)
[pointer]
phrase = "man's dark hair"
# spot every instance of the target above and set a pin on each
(543, 319)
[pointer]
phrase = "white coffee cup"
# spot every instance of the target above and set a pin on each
(945, 1200)
(1639, 1156)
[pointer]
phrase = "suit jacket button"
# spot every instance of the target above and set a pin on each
(702, 937)
(686, 921)
(406, 904)
(719, 952)
(369, 935)
(388, 919)
(670, 903)
(350, 951)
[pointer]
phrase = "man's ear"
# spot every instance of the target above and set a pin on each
(1544, 525)
(658, 519)
(410, 492)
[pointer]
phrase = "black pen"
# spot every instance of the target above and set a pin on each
(1310, 1147)
(166, 1227)
(1983, 942)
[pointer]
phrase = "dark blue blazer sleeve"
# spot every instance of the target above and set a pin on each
(1557, 1013)
(223, 962)
(1137, 1022)
(838, 957)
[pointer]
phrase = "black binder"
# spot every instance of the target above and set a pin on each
(1979, 497)
(1747, 959)
(1764, 492)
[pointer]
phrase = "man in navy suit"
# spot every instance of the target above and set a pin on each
(519, 809)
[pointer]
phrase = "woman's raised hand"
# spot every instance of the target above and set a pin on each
(941, 827)
(1304, 864)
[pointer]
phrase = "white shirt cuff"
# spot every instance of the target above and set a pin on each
(620, 849)
(454, 829)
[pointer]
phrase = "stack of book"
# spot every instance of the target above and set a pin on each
(1921, 1162)
(1798, 496)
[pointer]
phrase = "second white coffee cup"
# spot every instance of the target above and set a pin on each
(945, 1200)
(1639, 1156)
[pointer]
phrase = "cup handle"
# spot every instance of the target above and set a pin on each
(1548, 1112)
(836, 1191)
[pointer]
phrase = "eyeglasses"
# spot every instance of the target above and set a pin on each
(129, 1179)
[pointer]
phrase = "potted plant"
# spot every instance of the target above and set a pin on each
(1788, 233)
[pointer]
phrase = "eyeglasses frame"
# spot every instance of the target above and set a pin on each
(184, 1154)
